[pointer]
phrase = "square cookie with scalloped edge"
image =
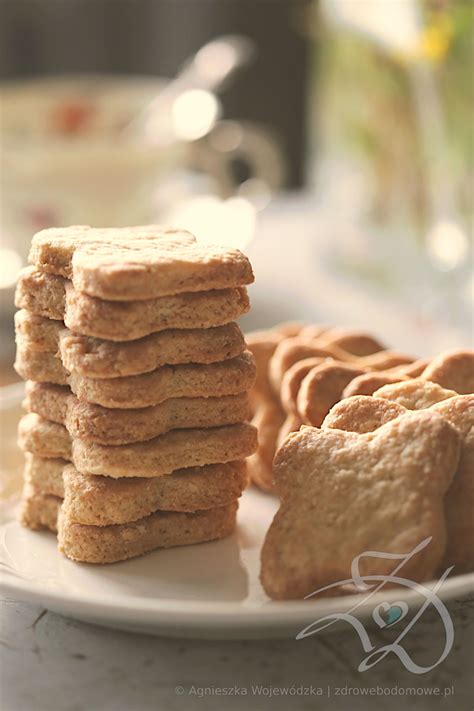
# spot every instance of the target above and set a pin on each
(344, 493)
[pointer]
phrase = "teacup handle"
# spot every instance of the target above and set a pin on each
(247, 142)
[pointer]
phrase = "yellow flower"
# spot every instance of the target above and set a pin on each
(436, 39)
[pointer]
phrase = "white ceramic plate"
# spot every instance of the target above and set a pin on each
(210, 590)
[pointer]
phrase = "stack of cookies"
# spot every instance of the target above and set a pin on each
(137, 389)
(303, 371)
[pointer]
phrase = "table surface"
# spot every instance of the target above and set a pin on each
(50, 663)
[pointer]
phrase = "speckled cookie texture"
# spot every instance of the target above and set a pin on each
(163, 455)
(102, 501)
(45, 475)
(155, 457)
(137, 263)
(118, 426)
(301, 372)
(343, 493)
(43, 437)
(55, 298)
(229, 377)
(39, 511)
(366, 414)
(163, 529)
(99, 358)
(306, 370)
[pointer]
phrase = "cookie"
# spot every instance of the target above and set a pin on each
(292, 379)
(43, 437)
(326, 383)
(112, 426)
(278, 381)
(344, 493)
(55, 298)
(109, 544)
(368, 383)
(454, 367)
(413, 370)
(268, 420)
(39, 511)
(459, 412)
(357, 343)
(39, 366)
(262, 345)
(102, 501)
(292, 423)
(292, 350)
(40, 333)
(45, 475)
(97, 358)
(229, 377)
(162, 455)
(364, 414)
(293, 328)
(321, 388)
(137, 263)
(415, 393)
(268, 415)
(453, 370)
(159, 456)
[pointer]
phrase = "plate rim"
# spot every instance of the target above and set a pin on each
(201, 613)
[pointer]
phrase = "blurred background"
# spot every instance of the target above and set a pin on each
(331, 140)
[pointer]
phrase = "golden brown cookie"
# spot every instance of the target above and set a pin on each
(114, 426)
(45, 475)
(109, 544)
(415, 393)
(453, 370)
(268, 415)
(298, 348)
(292, 380)
(368, 383)
(357, 343)
(229, 377)
(344, 493)
(97, 358)
(322, 388)
(268, 420)
(159, 456)
(292, 424)
(162, 455)
(102, 501)
(292, 350)
(40, 333)
(262, 345)
(362, 413)
(39, 511)
(55, 298)
(136, 263)
(43, 437)
(365, 414)
(412, 370)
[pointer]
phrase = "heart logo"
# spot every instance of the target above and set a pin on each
(386, 614)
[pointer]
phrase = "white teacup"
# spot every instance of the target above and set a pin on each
(67, 160)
